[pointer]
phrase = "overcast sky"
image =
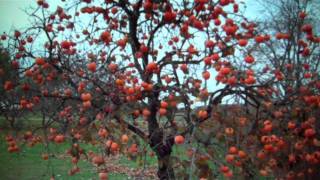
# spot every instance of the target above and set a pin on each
(12, 15)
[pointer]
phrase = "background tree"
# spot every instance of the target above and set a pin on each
(9, 105)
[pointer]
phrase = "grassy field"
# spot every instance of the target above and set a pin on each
(29, 165)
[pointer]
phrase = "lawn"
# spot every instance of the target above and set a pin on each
(29, 165)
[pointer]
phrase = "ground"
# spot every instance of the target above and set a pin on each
(29, 165)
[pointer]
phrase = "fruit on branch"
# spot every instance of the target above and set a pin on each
(66, 45)
(202, 114)
(249, 59)
(59, 138)
(206, 75)
(243, 42)
(114, 147)
(92, 67)
(106, 37)
(179, 139)
(40, 61)
(124, 139)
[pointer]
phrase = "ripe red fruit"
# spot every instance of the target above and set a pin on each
(302, 15)
(267, 128)
(259, 39)
(233, 150)
(291, 125)
(207, 61)
(59, 138)
(242, 154)
(29, 39)
(17, 34)
(114, 10)
(224, 2)
(169, 16)
(215, 57)
(124, 138)
(92, 66)
(65, 44)
(307, 28)
(40, 61)
(224, 169)
(209, 44)
(206, 75)
(242, 42)
(229, 131)
(179, 139)
(8, 85)
(309, 132)
(250, 80)
(122, 43)
(163, 104)
(146, 112)
(113, 67)
(106, 37)
(114, 147)
(102, 132)
(86, 97)
(232, 80)
(202, 114)
(249, 59)
(86, 104)
(144, 49)
(229, 158)
(162, 111)
(184, 68)
(3, 37)
(133, 149)
(151, 67)
(225, 70)
(228, 174)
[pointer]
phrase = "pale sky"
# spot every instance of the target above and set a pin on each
(12, 15)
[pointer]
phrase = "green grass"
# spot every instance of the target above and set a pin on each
(28, 165)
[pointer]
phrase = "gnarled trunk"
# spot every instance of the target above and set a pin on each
(165, 170)
(161, 144)
(163, 149)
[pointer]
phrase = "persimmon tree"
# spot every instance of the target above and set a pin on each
(293, 59)
(9, 106)
(111, 71)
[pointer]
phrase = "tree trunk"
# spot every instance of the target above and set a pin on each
(163, 149)
(160, 144)
(165, 170)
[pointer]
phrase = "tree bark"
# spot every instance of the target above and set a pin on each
(160, 143)
(162, 146)
(165, 170)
